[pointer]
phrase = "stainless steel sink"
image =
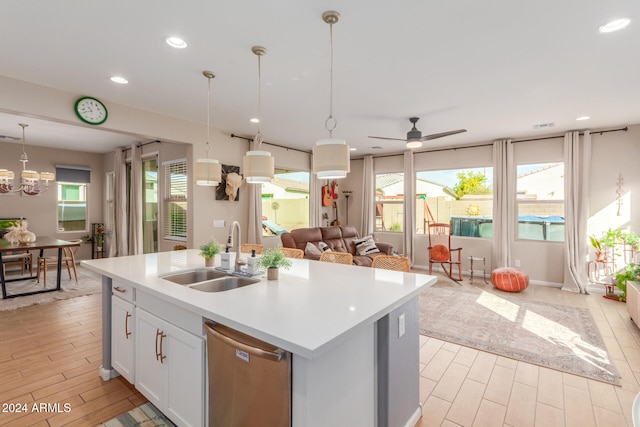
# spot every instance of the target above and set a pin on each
(209, 280)
(194, 276)
(223, 284)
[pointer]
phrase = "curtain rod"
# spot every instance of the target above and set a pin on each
(515, 141)
(270, 143)
(141, 145)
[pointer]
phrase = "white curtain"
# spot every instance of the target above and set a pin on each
(577, 163)
(315, 214)
(135, 203)
(368, 208)
(409, 204)
(254, 229)
(119, 238)
(504, 215)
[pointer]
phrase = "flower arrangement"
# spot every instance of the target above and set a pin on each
(20, 234)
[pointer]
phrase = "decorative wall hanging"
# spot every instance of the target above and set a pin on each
(230, 183)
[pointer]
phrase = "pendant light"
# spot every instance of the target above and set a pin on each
(208, 171)
(331, 156)
(258, 165)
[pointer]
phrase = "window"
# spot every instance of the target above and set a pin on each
(462, 197)
(175, 200)
(389, 202)
(110, 200)
(540, 201)
(72, 207)
(285, 202)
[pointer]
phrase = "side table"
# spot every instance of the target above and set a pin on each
(473, 259)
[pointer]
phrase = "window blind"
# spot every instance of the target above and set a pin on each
(175, 200)
(75, 174)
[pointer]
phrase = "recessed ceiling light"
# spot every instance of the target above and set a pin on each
(254, 120)
(176, 42)
(614, 25)
(353, 149)
(118, 79)
(581, 118)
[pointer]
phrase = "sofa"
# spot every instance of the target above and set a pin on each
(339, 238)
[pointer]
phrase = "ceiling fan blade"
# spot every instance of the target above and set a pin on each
(391, 139)
(440, 135)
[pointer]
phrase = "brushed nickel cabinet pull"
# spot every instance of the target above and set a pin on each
(162, 356)
(157, 335)
(126, 325)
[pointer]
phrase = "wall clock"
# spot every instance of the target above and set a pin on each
(91, 111)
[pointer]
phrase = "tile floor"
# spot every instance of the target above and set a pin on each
(460, 386)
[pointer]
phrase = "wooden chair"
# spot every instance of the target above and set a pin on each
(246, 248)
(391, 262)
(337, 257)
(68, 258)
(24, 259)
(441, 252)
(293, 253)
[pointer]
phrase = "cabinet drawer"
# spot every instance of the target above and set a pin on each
(123, 291)
(178, 316)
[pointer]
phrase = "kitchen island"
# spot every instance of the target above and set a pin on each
(330, 317)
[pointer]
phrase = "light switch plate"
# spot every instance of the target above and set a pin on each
(218, 223)
(401, 325)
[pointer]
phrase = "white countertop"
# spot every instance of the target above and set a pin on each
(313, 306)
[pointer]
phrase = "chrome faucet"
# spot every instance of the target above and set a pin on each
(235, 226)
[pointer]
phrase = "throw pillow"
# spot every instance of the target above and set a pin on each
(312, 250)
(324, 247)
(366, 246)
(439, 253)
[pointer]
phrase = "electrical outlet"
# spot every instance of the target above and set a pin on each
(401, 325)
(217, 223)
(517, 263)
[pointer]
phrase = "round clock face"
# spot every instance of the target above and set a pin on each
(91, 111)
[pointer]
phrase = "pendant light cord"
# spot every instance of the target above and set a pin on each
(331, 123)
(207, 147)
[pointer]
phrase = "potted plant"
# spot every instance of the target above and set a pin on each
(208, 251)
(630, 274)
(272, 259)
(597, 245)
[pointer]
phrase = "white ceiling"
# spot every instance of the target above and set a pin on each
(494, 67)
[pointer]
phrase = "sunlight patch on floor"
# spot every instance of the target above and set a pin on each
(498, 305)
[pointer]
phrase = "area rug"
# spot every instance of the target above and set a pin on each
(88, 283)
(145, 415)
(555, 336)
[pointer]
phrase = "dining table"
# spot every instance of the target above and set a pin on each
(41, 243)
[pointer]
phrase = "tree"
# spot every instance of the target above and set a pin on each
(470, 182)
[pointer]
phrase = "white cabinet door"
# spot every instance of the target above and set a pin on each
(122, 337)
(170, 369)
(184, 366)
(149, 377)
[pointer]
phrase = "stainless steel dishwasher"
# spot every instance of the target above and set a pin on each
(249, 380)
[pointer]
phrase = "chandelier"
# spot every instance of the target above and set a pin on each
(30, 180)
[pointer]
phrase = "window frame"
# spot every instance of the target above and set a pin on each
(59, 199)
(169, 231)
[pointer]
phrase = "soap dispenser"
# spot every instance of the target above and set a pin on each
(252, 264)
(227, 260)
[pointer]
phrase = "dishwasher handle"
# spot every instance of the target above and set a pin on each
(275, 356)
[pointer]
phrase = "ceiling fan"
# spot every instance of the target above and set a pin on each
(415, 138)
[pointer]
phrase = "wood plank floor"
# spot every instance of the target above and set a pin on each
(49, 360)
(50, 354)
(460, 386)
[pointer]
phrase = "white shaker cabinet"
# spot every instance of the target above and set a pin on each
(122, 337)
(169, 369)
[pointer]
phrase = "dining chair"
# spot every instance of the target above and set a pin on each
(23, 258)
(68, 258)
(337, 257)
(293, 253)
(246, 248)
(392, 262)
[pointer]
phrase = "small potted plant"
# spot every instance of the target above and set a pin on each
(597, 245)
(208, 251)
(272, 259)
(630, 274)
